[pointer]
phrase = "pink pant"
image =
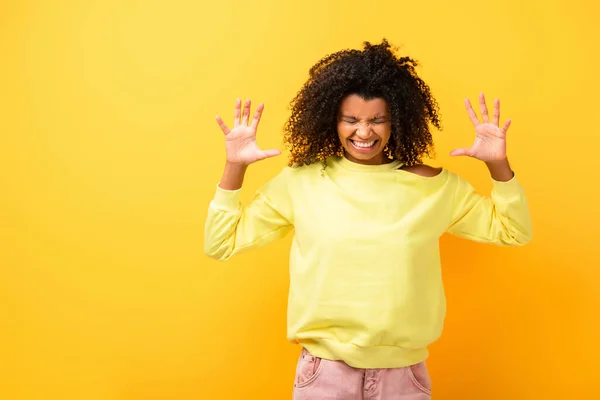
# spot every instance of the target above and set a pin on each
(320, 379)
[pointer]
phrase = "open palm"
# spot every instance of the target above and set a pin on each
(490, 139)
(240, 142)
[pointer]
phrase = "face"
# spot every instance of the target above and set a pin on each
(364, 129)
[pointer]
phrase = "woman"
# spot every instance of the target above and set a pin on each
(366, 295)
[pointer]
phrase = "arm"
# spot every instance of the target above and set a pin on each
(231, 228)
(503, 218)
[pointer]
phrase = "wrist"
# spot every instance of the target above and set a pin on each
(500, 170)
(503, 162)
(233, 176)
(236, 166)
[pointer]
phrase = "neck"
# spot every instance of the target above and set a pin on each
(377, 160)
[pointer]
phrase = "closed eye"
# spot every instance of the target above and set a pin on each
(379, 121)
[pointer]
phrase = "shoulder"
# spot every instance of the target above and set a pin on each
(291, 175)
(423, 170)
(312, 169)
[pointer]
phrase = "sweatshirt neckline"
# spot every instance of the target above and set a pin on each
(352, 166)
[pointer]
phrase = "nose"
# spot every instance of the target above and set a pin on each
(363, 132)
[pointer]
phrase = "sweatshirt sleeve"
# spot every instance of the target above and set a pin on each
(502, 218)
(232, 228)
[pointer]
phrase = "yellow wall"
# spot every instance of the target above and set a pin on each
(109, 155)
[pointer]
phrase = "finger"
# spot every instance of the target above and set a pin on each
(496, 120)
(238, 112)
(506, 125)
(222, 125)
(246, 114)
(483, 108)
(460, 152)
(257, 115)
(269, 153)
(471, 113)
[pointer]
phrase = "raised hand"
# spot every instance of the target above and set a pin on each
(490, 139)
(240, 142)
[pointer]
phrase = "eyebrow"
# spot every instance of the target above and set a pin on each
(353, 117)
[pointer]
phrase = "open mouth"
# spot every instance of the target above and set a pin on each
(363, 146)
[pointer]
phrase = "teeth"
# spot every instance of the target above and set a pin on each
(364, 145)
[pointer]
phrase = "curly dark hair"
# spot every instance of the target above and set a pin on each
(374, 72)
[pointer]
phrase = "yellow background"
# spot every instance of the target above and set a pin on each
(109, 155)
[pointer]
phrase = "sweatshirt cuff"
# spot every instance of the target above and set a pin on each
(227, 200)
(510, 188)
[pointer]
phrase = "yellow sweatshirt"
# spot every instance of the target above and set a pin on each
(365, 277)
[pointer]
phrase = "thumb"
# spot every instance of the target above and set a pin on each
(269, 153)
(460, 152)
